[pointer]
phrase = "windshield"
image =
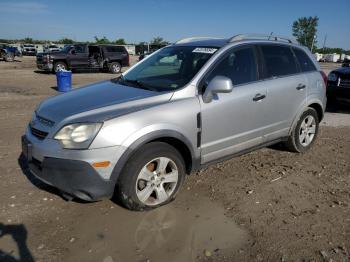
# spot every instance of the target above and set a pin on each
(169, 69)
(67, 48)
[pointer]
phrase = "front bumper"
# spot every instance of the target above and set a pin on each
(73, 177)
(45, 66)
(71, 171)
(339, 93)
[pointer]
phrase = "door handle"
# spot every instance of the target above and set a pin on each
(301, 86)
(258, 97)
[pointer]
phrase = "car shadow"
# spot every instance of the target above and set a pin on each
(43, 72)
(41, 185)
(19, 235)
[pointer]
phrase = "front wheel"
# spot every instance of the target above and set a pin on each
(151, 178)
(305, 132)
(9, 57)
(59, 66)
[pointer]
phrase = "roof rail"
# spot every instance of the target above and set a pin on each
(191, 39)
(271, 37)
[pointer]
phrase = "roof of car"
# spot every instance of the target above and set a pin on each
(208, 42)
(220, 42)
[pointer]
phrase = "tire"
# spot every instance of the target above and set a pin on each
(59, 65)
(115, 67)
(138, 194)
(9, 57)
(305, 132)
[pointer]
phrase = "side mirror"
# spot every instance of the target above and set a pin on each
(73, 52)
(219, 84)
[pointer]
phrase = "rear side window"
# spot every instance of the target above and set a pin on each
(115, 49)
(238, 65)
(279, 61)
(304, 60)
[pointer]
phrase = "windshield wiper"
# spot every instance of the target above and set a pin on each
(139, 83)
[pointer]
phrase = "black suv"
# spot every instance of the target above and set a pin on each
(85, 56)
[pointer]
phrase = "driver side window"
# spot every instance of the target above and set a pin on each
(238, 65)
(79, 49)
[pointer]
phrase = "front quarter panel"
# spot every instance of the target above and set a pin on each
(179, 116)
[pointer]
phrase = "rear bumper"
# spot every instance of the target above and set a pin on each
(76, 178)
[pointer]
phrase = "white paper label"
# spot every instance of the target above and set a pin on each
(204, 50)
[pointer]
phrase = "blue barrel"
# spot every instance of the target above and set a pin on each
(64, 81)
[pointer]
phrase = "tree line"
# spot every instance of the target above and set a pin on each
(97, 40)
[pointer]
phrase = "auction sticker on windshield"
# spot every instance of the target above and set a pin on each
(205, 50)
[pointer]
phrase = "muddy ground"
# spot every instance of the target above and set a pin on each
(269, 205)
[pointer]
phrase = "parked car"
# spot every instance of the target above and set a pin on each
(338, 87)
(8, 53)
(52, 49)
(83, 56)
(138, 135)
(29, 50)
(346, 63)
(145, 54)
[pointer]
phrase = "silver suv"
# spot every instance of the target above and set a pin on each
(187, 105)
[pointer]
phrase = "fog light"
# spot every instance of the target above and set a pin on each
(101, 164)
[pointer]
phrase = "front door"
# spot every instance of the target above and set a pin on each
(79, 57)
(234, 121)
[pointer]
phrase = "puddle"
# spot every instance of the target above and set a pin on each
(177, 232)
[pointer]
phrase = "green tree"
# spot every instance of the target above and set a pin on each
(103, 40)
(158, 41)
(120, 41)
(66, 41)
(305, 29)
(28, 40)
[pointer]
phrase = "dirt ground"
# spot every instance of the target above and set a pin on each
(268, 205)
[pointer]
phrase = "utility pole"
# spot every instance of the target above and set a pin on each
(313, 41)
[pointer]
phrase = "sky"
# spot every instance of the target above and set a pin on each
(141, 20)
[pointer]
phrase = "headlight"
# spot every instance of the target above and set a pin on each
(332, 77)
(78, 136)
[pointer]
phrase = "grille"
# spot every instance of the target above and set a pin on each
(45, 121)
(38, 133)
(344, 82)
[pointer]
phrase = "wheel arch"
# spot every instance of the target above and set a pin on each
(173, 138)
(318, 108)
(311, 104)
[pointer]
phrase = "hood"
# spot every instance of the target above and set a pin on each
(59, 53)
(102, 100)
(342, 71)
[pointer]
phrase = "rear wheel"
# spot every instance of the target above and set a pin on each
(115, 67)
(152, 177)
(305, 132)
(58, 66)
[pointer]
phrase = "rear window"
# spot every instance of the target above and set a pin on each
(115, 49)
(306, 65)
(279, 61)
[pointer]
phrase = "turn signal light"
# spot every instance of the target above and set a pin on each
(101, 164)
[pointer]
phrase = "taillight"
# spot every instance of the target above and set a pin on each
(324, 76)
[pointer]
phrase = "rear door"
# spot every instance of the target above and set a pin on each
(286, 89)
(233, 122)
(116, 53)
